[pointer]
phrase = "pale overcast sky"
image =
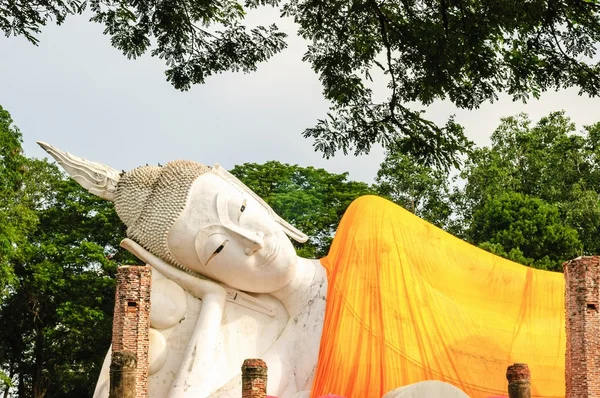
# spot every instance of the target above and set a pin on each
(80, 94)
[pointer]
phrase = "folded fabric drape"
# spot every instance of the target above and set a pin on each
(408, 302)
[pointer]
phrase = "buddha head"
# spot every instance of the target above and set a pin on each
(202, 219)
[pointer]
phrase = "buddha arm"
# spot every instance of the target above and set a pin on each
(201, 346)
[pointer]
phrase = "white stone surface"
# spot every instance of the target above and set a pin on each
(169, 303)
(427, 389)
(158, 351)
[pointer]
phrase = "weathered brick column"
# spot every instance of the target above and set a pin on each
(582, 366)
(130, 341)
(519, 381)
(254, 378)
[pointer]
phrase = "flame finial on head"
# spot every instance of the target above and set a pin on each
(97, 178)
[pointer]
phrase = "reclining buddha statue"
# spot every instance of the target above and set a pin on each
(396, 301)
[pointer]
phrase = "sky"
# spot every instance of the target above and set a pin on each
(78, 93)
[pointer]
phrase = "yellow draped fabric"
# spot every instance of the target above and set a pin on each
(409, 302)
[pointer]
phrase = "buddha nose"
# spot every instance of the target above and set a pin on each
(253, 241)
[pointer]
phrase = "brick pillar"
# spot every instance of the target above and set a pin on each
(582, 366)
(519, 384)
(130, 341)
(254, 378)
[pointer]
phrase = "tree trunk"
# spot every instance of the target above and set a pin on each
(38, 387)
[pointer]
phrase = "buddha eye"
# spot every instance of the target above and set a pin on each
(217, 251)
(220, 248)
(242, 208)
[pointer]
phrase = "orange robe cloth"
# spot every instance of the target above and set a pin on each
(408, 302)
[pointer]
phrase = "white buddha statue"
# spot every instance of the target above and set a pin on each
(391, 306)
(237, 289)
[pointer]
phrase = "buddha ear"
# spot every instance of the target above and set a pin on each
(288, 228)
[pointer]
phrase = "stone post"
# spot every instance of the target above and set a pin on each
(254, 378)
(130, 335)
(582, 365)
(519, 384)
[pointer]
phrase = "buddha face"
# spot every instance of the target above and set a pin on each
(228, 236)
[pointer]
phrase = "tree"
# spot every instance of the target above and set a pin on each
(195, 38)
(423, 190)
(15, 219)
(525, 229)
(465, 51)
(55, 323)
(548, 170)
(313, 200)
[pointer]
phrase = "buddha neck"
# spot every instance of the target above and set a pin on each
(300, 290)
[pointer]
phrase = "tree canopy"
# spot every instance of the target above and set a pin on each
(421, 189)
(549, 161)
(526, 230)
(15, 218)
(195, 38)
(465, 51)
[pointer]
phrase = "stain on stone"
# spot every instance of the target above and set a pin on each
(193, 359)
